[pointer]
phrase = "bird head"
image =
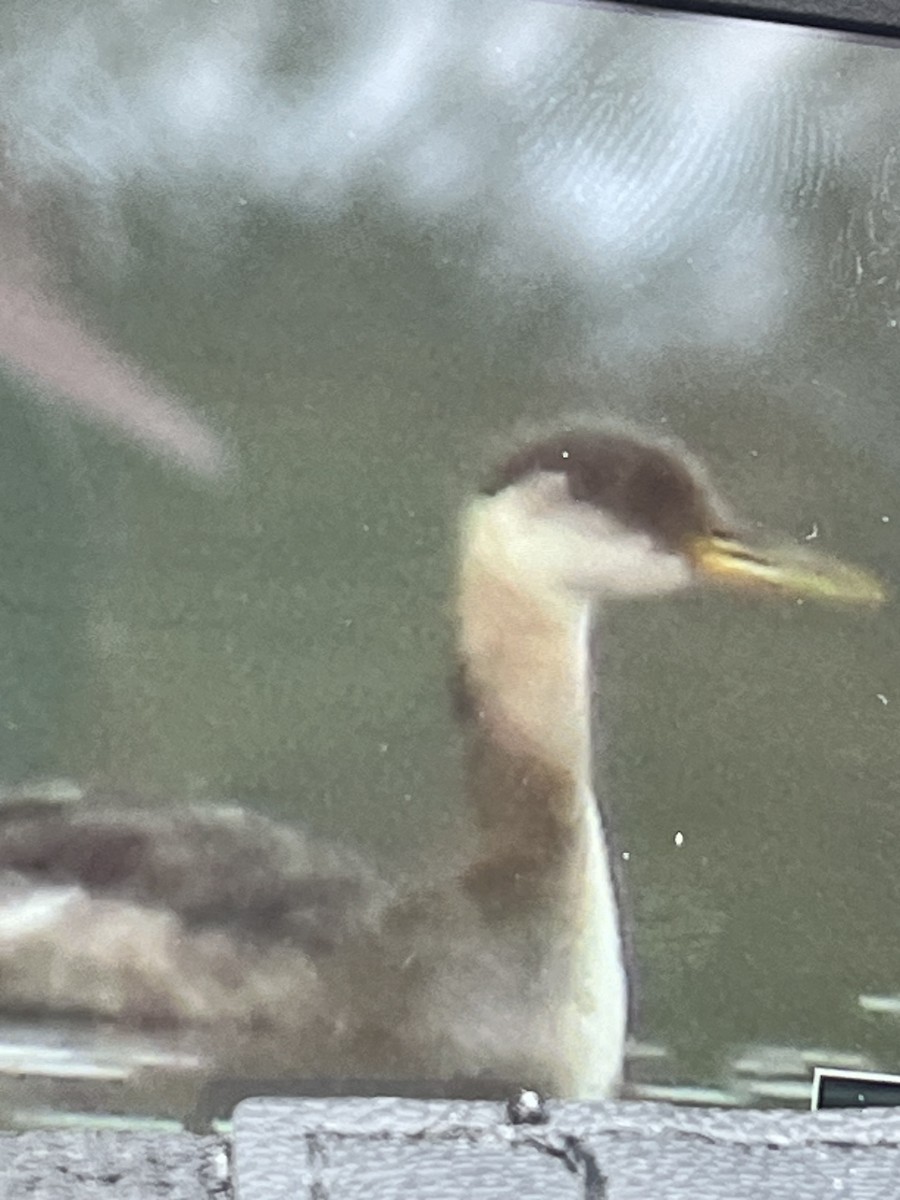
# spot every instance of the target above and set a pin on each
(599, 513)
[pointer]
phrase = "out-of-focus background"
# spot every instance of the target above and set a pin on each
(272, 276)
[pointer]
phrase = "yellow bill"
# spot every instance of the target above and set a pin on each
(791, 571)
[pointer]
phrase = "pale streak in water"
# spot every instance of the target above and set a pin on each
(48, 345)
(44, 341)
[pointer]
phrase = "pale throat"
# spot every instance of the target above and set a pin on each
(525, 646)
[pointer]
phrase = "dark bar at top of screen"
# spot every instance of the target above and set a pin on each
(874, 18)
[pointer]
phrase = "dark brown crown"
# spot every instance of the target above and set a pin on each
(644, 486)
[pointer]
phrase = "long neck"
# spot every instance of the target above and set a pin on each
(542, 872)
(524, 653)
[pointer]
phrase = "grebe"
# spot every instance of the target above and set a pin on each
(294, 956)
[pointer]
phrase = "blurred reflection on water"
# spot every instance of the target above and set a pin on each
(361, 244)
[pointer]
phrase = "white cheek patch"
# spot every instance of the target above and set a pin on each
(588, 550)
(613, 560)
(559, 543)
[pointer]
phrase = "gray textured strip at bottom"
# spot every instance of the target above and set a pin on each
(288, 1149)
(112, 1166)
